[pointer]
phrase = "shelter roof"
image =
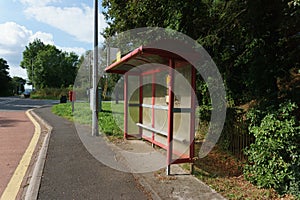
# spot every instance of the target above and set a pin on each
(140, 56)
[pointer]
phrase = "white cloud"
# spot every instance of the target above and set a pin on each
(46, 38)
(78, 50)
(38, 2)
(18, 71)
(76, 21)
(15, 37)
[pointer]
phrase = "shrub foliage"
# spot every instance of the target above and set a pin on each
(274, 157)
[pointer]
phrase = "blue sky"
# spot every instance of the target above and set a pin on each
(67, 24)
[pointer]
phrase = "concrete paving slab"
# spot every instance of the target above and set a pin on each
(179, 185)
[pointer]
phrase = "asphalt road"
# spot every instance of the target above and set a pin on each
(22, 104)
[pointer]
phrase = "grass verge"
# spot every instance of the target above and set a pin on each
(82, 114)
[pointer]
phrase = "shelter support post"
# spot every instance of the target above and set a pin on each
(153, 103)
(170, 115)
(140, 104)
(192, 118)
(126, 106)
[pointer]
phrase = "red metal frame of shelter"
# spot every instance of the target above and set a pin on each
(143, 55)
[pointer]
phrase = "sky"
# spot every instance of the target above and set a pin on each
(67, 24)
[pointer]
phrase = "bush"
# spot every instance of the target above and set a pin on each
(274, 157)
(50, 93)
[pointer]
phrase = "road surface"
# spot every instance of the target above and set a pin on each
(16, 131)
(22, 104)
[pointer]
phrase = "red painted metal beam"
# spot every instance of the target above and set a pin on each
(153, 103)
(151, 71)
(144, 52)
(170, 114)
(140, 102)
(126, 106)
(155, 142)
(124, 59)
(182, 160)
(192, 115)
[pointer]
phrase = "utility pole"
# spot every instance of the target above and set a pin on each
(32, 73)
(95, 131)
(107, 52)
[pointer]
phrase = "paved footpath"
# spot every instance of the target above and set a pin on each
(16, 131)
(71, 172)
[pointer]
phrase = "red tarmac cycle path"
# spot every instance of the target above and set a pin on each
(16, 131)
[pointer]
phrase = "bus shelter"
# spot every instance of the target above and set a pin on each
(159, 101)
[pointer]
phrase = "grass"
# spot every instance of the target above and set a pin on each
(108, 122)
(63, 110)
(220, 170)
(36, 96)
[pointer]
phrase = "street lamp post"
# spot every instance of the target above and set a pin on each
(95, 131)
(32, 73)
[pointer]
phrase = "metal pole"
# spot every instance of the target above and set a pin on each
(32, 73)
(141, 106)
(90, 71)
(126, 106)
(170, 115)
(95, 131)
(153, 103)
(108, 52)
(192, 118)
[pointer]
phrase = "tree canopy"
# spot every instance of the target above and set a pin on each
(48, 66)
(18, 85)
(254, 43)
(4, 78)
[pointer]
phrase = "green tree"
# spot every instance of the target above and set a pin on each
(4, 78)
(252, 42)
(69, 67)
(29, 57)
(17, 84)
(48, 66)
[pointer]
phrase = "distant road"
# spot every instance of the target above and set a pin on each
(22, 104)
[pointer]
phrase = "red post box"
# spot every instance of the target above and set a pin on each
(72, 96)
